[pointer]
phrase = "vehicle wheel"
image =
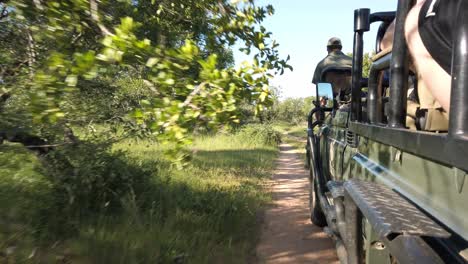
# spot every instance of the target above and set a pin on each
(317, 217)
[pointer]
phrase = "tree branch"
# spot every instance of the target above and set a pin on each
(38, 4)
(31, 53)
(93, 5)
(195, 91)
(31, 142)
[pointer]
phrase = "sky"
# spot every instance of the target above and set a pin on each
(303, 27)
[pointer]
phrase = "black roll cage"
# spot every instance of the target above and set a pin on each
(450, 149)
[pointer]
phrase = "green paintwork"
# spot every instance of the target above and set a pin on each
(430, 185)
(372, 254)
(440, 190)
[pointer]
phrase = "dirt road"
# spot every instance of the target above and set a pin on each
(287, 235)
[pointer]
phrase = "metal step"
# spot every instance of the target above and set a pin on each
(336, 188)
(389, 213)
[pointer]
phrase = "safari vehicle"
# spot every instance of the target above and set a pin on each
(389, 185)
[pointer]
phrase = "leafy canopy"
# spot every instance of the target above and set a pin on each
(165, 67)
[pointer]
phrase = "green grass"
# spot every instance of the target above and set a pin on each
(295, 135)
(24, 194)
(205, 213)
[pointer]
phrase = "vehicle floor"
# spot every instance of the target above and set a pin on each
(288, 236)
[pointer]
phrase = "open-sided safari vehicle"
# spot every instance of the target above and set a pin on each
(388, 171)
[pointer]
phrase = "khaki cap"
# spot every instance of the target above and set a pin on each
(334, 42)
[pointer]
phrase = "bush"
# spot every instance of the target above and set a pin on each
(295, 110)
(260, 134)
(90, 178)
(25, 192)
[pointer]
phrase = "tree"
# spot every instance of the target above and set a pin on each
(366, 63)
(293, 110)
(160, 67)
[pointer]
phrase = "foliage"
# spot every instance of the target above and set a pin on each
(80, 57)
(294, 110)
(271, 113)
(366, 63)
(98, 90)
(263, 134)
(248, 113)
(25, 193)
(206, 213)
(90, 177)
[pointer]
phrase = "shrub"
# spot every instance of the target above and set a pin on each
(89, 178)
(263, 134)
(25, 192)
(293, 110)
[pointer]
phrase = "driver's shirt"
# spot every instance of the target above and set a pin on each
(335, 59)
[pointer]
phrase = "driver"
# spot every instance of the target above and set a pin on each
(335, 59)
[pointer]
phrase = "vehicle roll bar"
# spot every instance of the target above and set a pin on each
(387, 17)
(362, 20)
(311, 124)
(374, 97)
(399, 68)
(361, 25)
(458, 122)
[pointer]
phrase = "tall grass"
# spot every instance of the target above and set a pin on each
(205, 213)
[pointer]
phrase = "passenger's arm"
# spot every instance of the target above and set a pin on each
(429, 71)
(387, 40)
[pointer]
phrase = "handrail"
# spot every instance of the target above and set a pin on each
(362, 20)
(399, 68)
(387, 16)
(310, 124)
(374, 96)
(361, 25)
(458, 122)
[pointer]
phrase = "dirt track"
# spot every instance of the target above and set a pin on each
(287, 235)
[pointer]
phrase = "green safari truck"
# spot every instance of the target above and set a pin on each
(388, 173)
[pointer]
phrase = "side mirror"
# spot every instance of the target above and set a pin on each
(325, 95)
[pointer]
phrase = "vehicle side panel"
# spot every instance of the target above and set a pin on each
(439, 190)
(334, 144)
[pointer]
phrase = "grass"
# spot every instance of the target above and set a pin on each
(205, 213)
(22, 188)
(295, 135)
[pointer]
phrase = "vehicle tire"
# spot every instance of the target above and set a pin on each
(317, 217)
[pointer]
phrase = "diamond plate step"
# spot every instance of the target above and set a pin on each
(389, 213)
(336, 188)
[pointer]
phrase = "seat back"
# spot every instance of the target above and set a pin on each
(340, 80)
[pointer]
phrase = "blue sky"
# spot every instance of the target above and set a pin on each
(303, 27)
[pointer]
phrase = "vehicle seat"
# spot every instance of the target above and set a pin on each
(432, 117)
(423, 112)
(381, 53)
(340, 79)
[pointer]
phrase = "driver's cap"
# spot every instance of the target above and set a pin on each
(334, 42)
